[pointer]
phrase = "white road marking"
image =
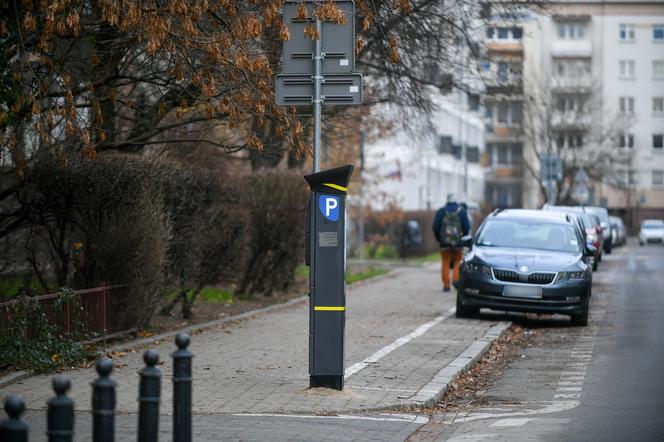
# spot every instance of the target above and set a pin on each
(571, 383)
(552, 407)
(413, 418)
(512, 422)
(573, 373)
(573, 378)
(398, 390)
(568, 389)
(419, 331)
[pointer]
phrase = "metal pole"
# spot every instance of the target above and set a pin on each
(60, 421)
(103, 403)
(148, 397)
(318, 80)
(182, 389)
(361, 226)
(14, 429)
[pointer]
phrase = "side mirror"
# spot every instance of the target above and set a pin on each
(590, 250)
(467, 240)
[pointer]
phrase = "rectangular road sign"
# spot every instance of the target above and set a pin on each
(338, 41)
(337, 89)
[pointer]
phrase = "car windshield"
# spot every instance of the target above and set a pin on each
(529, 234)
(653, 224)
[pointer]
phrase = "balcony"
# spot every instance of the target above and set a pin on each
(504, 173)
(572, 48)
(570, 120)
(505, 47)
(582, 84)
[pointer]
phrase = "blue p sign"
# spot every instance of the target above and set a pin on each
(329, 207)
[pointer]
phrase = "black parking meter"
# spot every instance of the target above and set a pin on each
(326, 258)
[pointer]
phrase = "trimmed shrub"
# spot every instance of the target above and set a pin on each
(276, 205)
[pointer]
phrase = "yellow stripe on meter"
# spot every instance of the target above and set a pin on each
(336, 186)
(325, 308)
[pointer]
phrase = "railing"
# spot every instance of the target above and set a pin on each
(60, 414)
(75, 313)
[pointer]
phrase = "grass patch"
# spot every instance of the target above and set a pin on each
(213, 294)
(370, 272)
(434, 257)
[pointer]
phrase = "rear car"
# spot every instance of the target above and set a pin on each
(527, 261)
(603, 216)
(618, 230)
(652, 231)
(591, 228)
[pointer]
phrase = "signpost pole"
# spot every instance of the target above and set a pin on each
(317, 99)
(360, 239)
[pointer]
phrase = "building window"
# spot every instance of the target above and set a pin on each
(626, 32)
(631, 177)
(658, 68)
(571, 31)
(490, 33)
(658, 105)
(516, 113)
(626, 105)
(517, 33)
(658, 141)
(503, 71)
(626, 141)
(658, 177)
(502, 113)
(626, 68)
(503, 33)
(658, 33)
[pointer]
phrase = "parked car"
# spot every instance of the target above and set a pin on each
(652, 231)
(603, 216)
(619, 231)
(592, 230)
(527, 261)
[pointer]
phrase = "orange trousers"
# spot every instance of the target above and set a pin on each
(447, 256)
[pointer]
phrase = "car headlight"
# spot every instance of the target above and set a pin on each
(477, 268)
(564, 276)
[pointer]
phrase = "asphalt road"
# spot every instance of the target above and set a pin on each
(598, 383)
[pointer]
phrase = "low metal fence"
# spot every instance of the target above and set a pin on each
(79, 312)
(60, 414)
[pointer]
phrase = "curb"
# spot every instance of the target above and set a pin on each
(434, 391)
(14, 377)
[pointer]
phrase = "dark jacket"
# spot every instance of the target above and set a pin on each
(450, 207)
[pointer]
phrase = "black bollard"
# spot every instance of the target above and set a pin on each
(103, 403)
(14, 429)
(149, 391)
(60, 412)
(182, 390)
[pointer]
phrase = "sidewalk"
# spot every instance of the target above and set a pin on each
(403, 345)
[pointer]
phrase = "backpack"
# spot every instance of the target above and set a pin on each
(450, 228)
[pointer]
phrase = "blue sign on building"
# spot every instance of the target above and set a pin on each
(329, 207)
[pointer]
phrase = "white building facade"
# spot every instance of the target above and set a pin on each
(610, 52)
(418, 172)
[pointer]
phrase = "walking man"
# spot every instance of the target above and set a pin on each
(449, 226)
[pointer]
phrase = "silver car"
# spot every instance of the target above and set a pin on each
(652, 231)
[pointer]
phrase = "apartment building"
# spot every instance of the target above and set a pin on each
(418, 172)
(502, 70)
(603, 65)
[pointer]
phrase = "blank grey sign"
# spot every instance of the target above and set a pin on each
(338, 41)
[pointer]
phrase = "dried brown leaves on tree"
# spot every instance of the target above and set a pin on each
(86, 76)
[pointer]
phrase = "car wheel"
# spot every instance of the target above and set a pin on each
(607, 249)
(581, 320)
(595, 265)
(464, 312)
(641, 243)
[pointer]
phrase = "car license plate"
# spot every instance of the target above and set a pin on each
(522, 291)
